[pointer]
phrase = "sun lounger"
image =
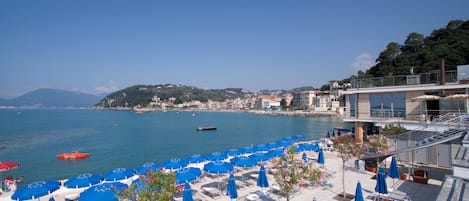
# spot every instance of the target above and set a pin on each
(211, 191)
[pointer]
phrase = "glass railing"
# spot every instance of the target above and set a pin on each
(403, 80)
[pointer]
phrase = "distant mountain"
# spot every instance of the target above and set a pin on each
(47, 98)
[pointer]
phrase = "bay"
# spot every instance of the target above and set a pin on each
(125, 139)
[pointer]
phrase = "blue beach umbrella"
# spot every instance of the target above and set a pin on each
(272, 145)
(285, 143)
(217, 156)
(83, 180)
(299, 138)
(339, 132)
(393, 171)
(118, 174)
(290, 139)
(262, 178)
(328, 135)
(359, 193)
(276, 153)
(321, 157)
(147, 167)
(333, 133)
(103, 192)
(305, 147)
(231, 187)
(381, 186)
(260, 147)
(174, 164)
(246, 150)
(187, 194)
(35, 190)
(260, 157)
(218, 167)
(233, 152)
(197, 158)
(186, 175)
(243, 162)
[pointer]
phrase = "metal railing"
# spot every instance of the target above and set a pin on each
(404, 80)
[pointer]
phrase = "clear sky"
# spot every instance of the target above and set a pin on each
(100, 46)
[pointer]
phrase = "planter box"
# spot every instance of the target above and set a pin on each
(403, 177)
(370, 169)
(420, 176)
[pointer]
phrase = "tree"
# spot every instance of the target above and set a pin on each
(293, 174)
(347, 148)
(158, 185)
(390, 129)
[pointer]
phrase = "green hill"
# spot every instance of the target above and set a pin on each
(143, 95)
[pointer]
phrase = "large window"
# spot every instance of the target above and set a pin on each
(387, 105)
(352, 101)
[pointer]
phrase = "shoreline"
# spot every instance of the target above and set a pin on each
(296, 113)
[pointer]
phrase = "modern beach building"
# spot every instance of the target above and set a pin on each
(432, 106)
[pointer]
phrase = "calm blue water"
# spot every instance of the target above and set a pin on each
(125, 139)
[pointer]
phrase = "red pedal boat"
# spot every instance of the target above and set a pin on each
(73, 155)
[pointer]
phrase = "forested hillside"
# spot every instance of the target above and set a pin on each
(423, 53)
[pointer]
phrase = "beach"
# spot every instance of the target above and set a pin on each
(204, 188)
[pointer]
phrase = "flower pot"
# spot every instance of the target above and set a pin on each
(403, 177)
(370, 169)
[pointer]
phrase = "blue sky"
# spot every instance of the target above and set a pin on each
(98, 46)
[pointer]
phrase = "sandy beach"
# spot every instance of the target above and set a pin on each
(207, 186)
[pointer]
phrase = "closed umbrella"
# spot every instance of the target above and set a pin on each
(187, 194)
(186, 175)
(304, 157)
(118, 174)
(381, 187)
(147, 167)
(83, 180)
(393, 171)
(359, 193)
(103, 192)
(262, 178)
(321, 157)
(36, 190)
(231, 187)
(328, 135)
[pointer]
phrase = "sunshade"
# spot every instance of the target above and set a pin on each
(231, 187)
(381, 186)
(359, 193)
(186, 175)
(174, 164)
(118, 174)
(217, 156)
(218, 167)
(197, 158)
(103, 192)
(147, 167)
(262, 178)
(260, 157)
(243, 162)
(187, 194)
(321, 157)
(36, 190)
(83, 180)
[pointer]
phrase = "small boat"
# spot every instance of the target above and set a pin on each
(73, 155)
(207, 128)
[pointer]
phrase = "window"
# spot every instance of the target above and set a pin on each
(352, 101)
(387, 105)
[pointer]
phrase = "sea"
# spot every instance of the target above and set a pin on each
(124, 139)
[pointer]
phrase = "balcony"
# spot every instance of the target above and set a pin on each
(404, 80)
